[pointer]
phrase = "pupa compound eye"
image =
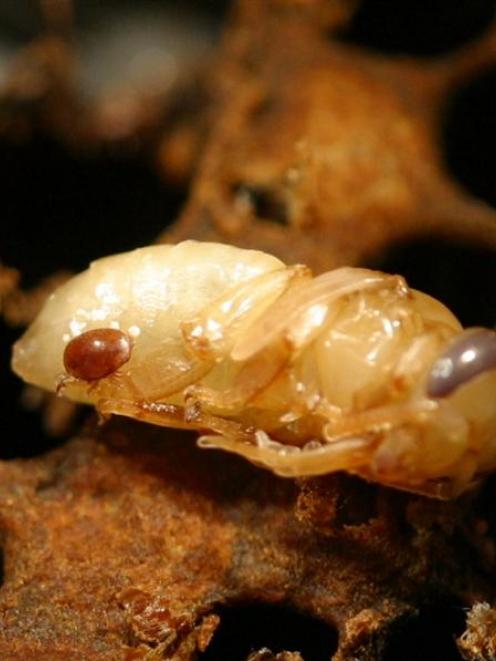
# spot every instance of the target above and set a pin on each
(302, 375)
(97, 353)
(471, 354)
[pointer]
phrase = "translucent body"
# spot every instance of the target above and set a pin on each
(302, 375)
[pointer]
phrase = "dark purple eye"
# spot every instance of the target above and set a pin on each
(471, 354)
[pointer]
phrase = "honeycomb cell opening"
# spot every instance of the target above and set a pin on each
(62, 208)
(469, 136)
(428, 635)
(248, 627)
(461, 275)
(418, 28)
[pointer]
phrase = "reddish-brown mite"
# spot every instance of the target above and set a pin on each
(97, 353)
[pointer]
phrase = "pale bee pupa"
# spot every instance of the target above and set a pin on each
(350, 370)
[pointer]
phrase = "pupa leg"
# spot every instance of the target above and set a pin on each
(379, 419)
(205, 338)
(289, 316)
(170, 415)
(254, 376)
(291, 461)
(164, 415)
(174, 380)
(212, 333)
(351, 454)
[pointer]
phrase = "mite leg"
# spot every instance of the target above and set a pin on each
(117, 382)
(62, 382)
